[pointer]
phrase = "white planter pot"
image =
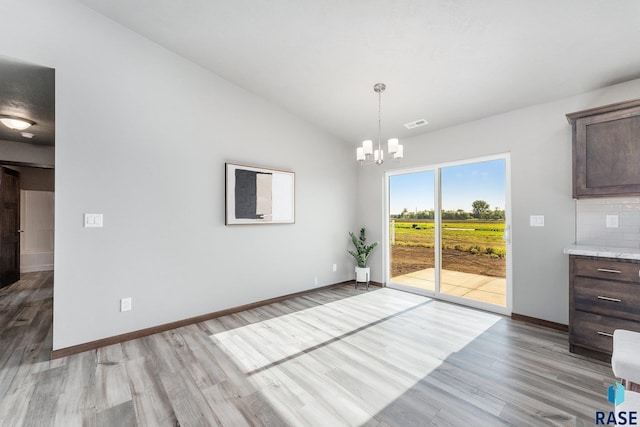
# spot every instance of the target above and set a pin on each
(362, 274)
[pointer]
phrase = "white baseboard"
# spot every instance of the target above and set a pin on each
(34, 268)
(36, 261)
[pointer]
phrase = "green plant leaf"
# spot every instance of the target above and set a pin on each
(362, 252)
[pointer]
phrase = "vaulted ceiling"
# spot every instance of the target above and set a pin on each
(446, 61)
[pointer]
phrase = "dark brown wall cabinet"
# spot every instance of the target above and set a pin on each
(604, 295)
(606, 150)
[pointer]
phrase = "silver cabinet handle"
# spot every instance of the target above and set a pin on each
(609, 299)
(608, 270)
(606, 334)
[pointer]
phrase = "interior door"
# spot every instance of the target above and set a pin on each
(9, 226)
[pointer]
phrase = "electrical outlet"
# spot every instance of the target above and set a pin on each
(612, 221)
(335, 267)
(125, 304)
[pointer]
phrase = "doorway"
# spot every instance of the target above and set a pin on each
(448, 233)
(9, 226)
(27, 146)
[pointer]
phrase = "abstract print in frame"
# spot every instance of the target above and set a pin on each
(258, 195)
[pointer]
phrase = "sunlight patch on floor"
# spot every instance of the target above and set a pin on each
(346, 360)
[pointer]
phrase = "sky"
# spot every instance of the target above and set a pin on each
(461, 186)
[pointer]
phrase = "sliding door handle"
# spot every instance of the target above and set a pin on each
(507, 234)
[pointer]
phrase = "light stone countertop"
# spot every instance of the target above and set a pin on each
(603, 251)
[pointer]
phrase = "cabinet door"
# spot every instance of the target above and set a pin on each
(607, 154)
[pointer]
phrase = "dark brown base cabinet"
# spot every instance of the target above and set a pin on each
(604, 295)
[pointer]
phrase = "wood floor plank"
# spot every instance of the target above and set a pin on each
(122, 415)
(14, 406)
(226, 409)
(76, 404)
(111, 380)
(153, 407)
(334, 357)
(44, 400)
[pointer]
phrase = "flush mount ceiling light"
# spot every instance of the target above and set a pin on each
(16, 123)
(364, 153)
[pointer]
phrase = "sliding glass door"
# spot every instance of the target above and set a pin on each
(448, 232)
(412, 254)
(472, 231)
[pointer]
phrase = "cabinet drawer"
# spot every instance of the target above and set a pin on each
(607, 269)
(616, 299)
(596, 332)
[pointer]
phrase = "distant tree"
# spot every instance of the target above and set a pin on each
(448, 215)
(404, 213)
(425, 214)
(461, 214)
(497, 213)
(480, 209)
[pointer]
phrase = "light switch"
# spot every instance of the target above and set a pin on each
(92, 220)
(612, 221)
(125, 304)
(536, 221)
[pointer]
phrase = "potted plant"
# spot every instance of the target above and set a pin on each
(361, 254)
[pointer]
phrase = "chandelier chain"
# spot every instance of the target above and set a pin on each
(379, 119)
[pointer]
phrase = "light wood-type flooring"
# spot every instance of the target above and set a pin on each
(334, 357)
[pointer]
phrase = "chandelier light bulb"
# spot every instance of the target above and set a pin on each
(399, 153)
(367, 147)
(392, 145)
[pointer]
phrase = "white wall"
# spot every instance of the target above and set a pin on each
(539, 140)
(142, 136)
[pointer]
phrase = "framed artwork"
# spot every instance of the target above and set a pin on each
(258, 196)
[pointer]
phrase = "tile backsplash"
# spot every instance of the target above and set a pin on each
(591, 222)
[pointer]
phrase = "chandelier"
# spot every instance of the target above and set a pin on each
(366, 153)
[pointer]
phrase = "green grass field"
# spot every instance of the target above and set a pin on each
(473, 236)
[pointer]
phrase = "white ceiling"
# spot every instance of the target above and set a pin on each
(447, 61)
(28, 91)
